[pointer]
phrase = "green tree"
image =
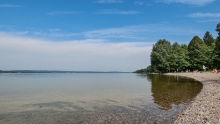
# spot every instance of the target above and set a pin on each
(173, 57)
(208, 39)
(141, 71)
(183, 57)
(216, 62)
(145, 70)
(218, 29)
(149, 69)
(211, 55)
(160, 56)
(210, 42)
(197, 53)
(179, 59)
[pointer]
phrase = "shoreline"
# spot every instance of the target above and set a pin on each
(205, 107)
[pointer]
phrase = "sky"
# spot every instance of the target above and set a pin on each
(97, 35)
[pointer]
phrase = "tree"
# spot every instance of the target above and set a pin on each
(197, 53)
(145, 70)
(166, 57)
(160, 55)
(211, 55)
(210, 42)
(149, 69)
(183, 57)
(141, 71)
(216, 61)
(208, 39)
(218, 29)
(173, 57)
(178, 59)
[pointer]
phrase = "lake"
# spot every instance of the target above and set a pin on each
(93, 97)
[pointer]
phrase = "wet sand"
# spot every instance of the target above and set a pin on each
(205, 108)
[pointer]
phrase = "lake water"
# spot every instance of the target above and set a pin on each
(93, 97)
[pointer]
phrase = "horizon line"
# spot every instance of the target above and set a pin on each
(58, 71)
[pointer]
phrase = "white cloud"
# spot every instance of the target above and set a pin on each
(39, 33)
(7, 27)
(63, 12)
(138, 3)
(18, 33)
(54, 29)
(56, 32)
(142, 32)
(191, 2)
(63, 34)
(137, 33)
(204, 15)
(110, 1)
(115, 11)
(9, 5)
(94, 55)
(210, 20)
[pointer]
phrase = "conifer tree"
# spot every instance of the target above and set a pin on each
(208, 39)
(216, 62)
(210, 42)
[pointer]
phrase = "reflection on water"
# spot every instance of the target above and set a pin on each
(93, 98)
(169, 90)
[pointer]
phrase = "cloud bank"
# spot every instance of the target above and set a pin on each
(117, 12)
(63, 12)
(150, 32)
(204, 15)
(110, 1)
(190, 2)
(8, 5)
(80, 55)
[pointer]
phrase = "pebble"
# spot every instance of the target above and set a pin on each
(205, 108)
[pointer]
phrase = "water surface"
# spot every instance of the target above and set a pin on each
(93, 97)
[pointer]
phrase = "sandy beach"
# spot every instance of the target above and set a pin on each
(205, 108)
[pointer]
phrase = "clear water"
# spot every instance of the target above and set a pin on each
(93, 97)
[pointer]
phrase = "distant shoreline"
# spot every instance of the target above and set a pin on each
(51, 71)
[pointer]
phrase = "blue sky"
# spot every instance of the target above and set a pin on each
(97, 35)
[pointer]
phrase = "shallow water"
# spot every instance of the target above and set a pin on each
(93, 97)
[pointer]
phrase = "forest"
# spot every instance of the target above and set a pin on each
(166, 57)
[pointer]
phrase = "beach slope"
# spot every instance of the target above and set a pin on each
(205, 108)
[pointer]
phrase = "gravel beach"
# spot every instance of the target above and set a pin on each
(205, 108)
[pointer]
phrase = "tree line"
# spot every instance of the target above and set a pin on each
(167, 57)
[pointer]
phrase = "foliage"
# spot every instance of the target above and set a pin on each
(173, 57)
(216, 61)
(167, 57)
(197, 53)
(210, 43)
(145, 70)
(160, 56)
(183, 57)
(178, 59)
(208, 39)
(218, 29)
(149, 69)
(141, 71)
